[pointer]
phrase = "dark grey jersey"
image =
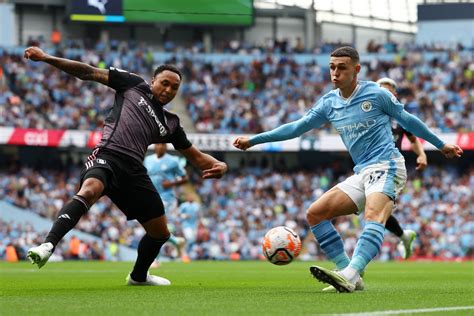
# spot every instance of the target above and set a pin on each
(398, 132)
(137, 120)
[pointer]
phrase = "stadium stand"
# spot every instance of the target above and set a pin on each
(233, 92)
(238, 209)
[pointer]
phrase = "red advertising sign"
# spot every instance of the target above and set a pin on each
(94, 139)
(36, 137)
(466, 140)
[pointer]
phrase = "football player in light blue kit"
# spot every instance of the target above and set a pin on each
(189, 213)
(360, 111)
(166, 173)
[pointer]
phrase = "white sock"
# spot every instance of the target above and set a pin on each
(351, 274)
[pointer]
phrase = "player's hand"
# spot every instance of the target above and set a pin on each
(421, 162)
(166, 184)
(451, 151)
(35, 54)
(242, 143)
(216, 171)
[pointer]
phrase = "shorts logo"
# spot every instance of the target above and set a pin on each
(376, 176)
(101, 161)
(366, 106)
(118, 69)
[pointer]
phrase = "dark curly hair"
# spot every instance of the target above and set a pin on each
(164, 67)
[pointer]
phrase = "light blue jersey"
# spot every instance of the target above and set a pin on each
(167, 168)
(362, 120)
(189, 212)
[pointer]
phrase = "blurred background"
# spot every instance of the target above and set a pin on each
(248, 66)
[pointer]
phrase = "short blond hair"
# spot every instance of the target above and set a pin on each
(388, 81)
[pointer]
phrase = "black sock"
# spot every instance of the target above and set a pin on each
(393, 226)
(148, 250)
(68, 217)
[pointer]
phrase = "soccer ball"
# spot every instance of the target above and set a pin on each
(281, 245)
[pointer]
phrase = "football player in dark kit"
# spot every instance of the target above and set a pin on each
(115, 167)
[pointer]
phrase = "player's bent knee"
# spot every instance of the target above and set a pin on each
(91, 190)
(375, 216)
(378, 208)
(162, 236)
(157, 228)
(315, 216)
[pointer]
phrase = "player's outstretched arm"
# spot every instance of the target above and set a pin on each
(284, 132)
(417, 147)
(210, 166)
(414, 125)
(74, 68)
(392, 107)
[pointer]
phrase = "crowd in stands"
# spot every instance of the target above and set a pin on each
(233, 213)
(228, 96)
(285, 45)
(296, 46)
(240, 97)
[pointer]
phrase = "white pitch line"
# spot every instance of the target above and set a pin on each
(409, 311)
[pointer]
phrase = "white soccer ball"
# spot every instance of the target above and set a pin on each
(281, 245)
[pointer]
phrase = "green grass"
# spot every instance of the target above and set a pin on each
(228, 288)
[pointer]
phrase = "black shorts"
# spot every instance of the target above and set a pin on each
(126, 183)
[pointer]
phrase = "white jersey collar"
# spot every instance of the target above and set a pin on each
(349, 99)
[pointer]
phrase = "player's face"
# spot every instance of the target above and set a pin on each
(390, 88)
(165, 85)
(160, 149)
(343, 71)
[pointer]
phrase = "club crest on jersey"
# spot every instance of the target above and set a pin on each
(366, 106)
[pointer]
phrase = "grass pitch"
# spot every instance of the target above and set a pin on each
(232, 288)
